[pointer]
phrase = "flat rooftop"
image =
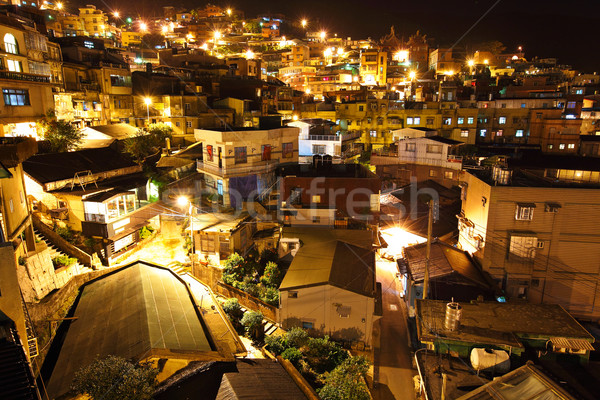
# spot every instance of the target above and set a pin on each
(499, 323)
(330, 171)
(136, 312)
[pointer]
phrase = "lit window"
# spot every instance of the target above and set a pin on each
(461, 120)
(316, 198)
(523, 246)
(561, 146)
(13, 65)
(523, 105)
(373, 133)
(482, 132)
(447, 121)
(571, 146)
(292, 294)
(571, 104)
(550, 146)
(10, 44)
(432, 173)
(15, 97)
(500, 132)
(464, 133)
(409, 121)
(417, 120)
(502, 120)
(470, 120)
(11, 206)
(449, 175)
(519, 133)
(524, 212)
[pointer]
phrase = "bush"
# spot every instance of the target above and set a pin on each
(276, 344)
(273, 275)
(63, 261)
(65, 232)
(233, 309)
(252, 322)
(293, 355)
(296, 337)
(268, 255)
(270, 296)
(346, 381)
(323, 355)
(234, 269)
(146, 232)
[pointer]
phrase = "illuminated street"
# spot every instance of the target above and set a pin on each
(393, 356)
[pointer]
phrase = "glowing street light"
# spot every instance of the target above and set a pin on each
(486, 62)
(148, 101)
(229, 12)
(249, 54)
(165, 29)
(304, 22)
(182, 201)
(59, 6)
(412, 75)
(323, 35)
(116, 14)
(217, 35)
(471, 63)
(143, 26)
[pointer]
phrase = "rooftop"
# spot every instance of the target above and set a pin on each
(135, 312)
(326, 171)
(499, 323)
(339, 264)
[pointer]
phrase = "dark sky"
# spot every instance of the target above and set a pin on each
(567, 30)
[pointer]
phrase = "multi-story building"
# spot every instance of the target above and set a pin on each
(94, 21)
(24, 78)
(554, 133)
(239, 163)
(442, 62)
(534, 229)
(373, 67)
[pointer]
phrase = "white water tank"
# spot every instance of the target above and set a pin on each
(488, 360)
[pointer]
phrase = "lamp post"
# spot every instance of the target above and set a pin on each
(148, 101)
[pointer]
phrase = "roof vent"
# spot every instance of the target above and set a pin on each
(453, 314)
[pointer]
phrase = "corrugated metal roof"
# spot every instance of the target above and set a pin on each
(573, 344)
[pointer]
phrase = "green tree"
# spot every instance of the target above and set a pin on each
(293, 355)
(252, 321)
(270, 296)
(272, 276)
(144, 144)
(114, 378)
(296, 337)
(234, 269)
(346, 381)
(60, 134)
(323, 355)
(253, 27)
(276, 344)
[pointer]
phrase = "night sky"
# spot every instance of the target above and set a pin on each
(567, 30)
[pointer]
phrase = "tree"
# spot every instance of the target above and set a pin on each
(61, 135)
(296, 337)
(114, 378)
(272, 276)
(252, 321)
(144, 144)
(234, 269)
(293, 355)
(346, 381)
(323, 355)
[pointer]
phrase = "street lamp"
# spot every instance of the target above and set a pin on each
(183, 201)
(229, 12)
(148, 101)
(116, 14)
(304, 22)
(323, 35)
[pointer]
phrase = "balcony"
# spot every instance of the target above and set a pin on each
(21, 76)
(128, 222)
(451, 161)
(331, 138)
(237, 170)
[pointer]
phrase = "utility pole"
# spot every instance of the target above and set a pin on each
(428, 254)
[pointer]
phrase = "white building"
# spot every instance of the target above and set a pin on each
(433, 151)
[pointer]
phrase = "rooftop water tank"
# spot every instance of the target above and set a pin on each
(487, 360)
(453, 314)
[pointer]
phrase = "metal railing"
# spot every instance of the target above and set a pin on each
(21, 76)
(246, 169)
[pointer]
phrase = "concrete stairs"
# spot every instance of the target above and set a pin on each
(55, 252)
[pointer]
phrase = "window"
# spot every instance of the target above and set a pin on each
(540, 244)
(449, 175)
(409, 121)
(429, 121)
(524, 212)
(15, 97)
(266, 152)
(411, 147)
(432, 173)
(550, 146)
(288, 150)
(177, 123)
(343, 311)
(502, 120)
(187, 106)
(434, 148)
(500, 132)
(209, 153)
(373, 134)
(14, 65)
(307, 325)
(21, 196)
(447, 121)
(318, 149)
(189, 124)
(460, 120)
(315, 198)
(519, 133)
(464, 133)
(375, 201)
(561, 146)
(578, 91)
(523, 246)
(316, 219)
(241, 156)
(470, 120)
(571, 146)
(482, 132)
(523, 105)
(11, 206)
(417, 120)
(361, 108)
(571, 104)
(10, 44)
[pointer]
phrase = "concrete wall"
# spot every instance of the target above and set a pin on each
(318, 305)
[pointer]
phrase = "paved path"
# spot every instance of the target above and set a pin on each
(393, 361)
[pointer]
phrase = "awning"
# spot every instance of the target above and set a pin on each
(532, 205)
(573, 344)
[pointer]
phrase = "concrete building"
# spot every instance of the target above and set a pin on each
(534, 230)
(373, 67)
(240, 162)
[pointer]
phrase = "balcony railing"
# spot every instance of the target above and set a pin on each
(21, 76)
(237, 170)
(332, 138)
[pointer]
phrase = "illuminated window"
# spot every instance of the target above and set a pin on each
(470, 120)
(447, 121)
(316, 199)
(15, 97)
(561, 146)
(10, 44)
(524, 212)
(461, 120)
(464, 133)
(417, 120)
(502, 120)
(523, 246)
(482, 132)
(409, 121)
(14, 65)
(571, 146)
(519, 133)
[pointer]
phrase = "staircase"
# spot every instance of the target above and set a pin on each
(55, 252)
(16, 378)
